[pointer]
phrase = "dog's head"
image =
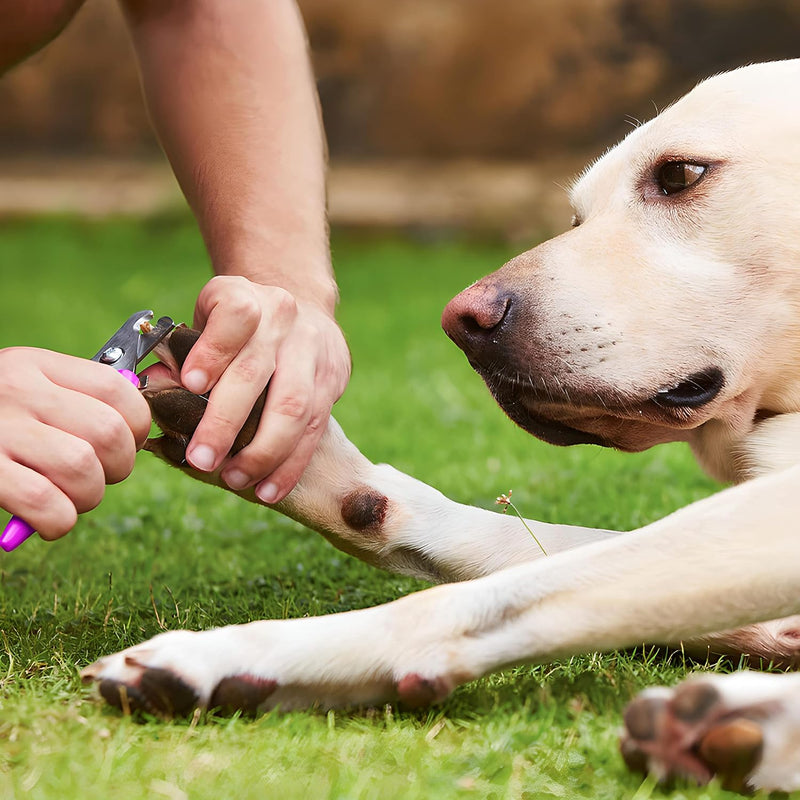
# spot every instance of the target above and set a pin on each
(675, 298)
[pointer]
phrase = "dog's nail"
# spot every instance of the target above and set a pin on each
(693, 701)
(196, 381)
(235, 478)
(267, 492)
(644, 716)
(201, 457)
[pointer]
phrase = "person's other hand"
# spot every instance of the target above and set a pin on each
(253, 335)
(68, 427)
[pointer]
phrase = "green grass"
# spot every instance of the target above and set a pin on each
(164, 552)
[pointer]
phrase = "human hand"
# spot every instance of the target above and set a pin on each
(253, 335)
(68, 427)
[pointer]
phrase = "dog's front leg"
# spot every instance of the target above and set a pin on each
(369, 510)
(688, 574)
(396, 522)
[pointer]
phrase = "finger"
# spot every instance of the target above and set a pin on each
(228, 313)
(68, 462)
(288, 409)
(35, 499)
(100, 382)
(229, 405)
(285, 477)
(91, 422)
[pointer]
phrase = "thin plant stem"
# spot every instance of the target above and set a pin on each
(506, 501)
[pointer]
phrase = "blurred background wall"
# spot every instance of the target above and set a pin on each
(529, 88)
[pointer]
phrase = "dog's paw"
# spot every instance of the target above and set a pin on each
(742, 728)
(176, 672)
(177, 411)
(316, 662)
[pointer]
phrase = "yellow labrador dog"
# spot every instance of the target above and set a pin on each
(670, 311)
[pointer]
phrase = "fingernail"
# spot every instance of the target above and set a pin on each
(267, 492)
(196, 381)
(202, 457)
(235, 478)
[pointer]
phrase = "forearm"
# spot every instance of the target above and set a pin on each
(27, 27)
(231, 94)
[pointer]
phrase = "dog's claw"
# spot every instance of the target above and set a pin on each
(157, 691)
(704, 728)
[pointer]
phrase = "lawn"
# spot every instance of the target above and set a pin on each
(163, 552)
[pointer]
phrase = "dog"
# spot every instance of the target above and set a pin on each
(669, 312)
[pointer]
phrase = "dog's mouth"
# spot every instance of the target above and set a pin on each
(696, 391)
(550, 430)
(567, 415)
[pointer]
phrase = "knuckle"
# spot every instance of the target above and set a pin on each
(251, 370)
(237, 294)
(246, 308)
(296, 407)
(223, 285)
(224, 426)
(316, 423)
(60, 522)
(306, 333)
(113, 431)
(115, 392)
(226, 282)
(82, 458)
(232, 296)
(112, 438)
(37, 494)
(212, 350)
(15, 384)
(283, 302)
(90, 497)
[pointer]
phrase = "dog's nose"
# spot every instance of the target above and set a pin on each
(474, 318)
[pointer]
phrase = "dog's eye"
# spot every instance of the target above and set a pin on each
(575, 221)
(675, 176)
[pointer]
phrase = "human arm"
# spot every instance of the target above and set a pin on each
(230, 91)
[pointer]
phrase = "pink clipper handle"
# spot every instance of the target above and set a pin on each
(17, 530)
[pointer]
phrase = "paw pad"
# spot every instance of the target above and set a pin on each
(415, 691)
(158, 691)
(241, 693)
(692, 734)
(733, 750)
